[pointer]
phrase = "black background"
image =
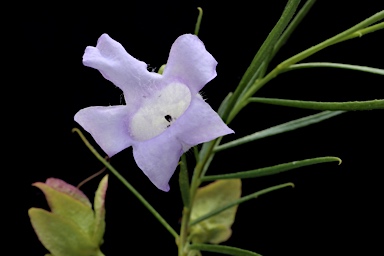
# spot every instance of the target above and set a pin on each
(333, 210)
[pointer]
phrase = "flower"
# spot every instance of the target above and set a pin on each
(164, 115)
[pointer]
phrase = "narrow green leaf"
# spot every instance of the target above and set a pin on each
(265, 49)
(317, 105)
(335, 65)
(210, 158)
(285, 36)
(293, 25)
(227, 250)
(358, 30)
(272, 169)
(198, 22)
(184, 181)
(239, 201)
(224, 105)
(196, 153)
(208, 162)
(257, 75)
(207, 149)
(285, 127)
(355, 31)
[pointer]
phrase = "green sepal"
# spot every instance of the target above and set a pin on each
(215, 229)
(161, 69)
(99, 208)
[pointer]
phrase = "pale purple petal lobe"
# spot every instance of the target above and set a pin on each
(108, 126)
(190, 63)
(158, 158)
(119, 67)
(200, 123)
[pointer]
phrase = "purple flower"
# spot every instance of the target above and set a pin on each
(164, 115)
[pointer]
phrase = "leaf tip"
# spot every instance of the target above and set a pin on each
(75, 130)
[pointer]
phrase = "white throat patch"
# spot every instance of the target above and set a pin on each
(158, 112)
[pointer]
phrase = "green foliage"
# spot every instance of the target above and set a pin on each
(281, 128)
(273, 169)
(226, 250)
(61, 236)
(217, 228)
(184, 181)
(317, 105)
(209, 211)
(72, 227)
(229, 205)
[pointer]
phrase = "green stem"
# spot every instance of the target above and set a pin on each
(195, 183)
(356, 31)
(265, 49)
(127, 184)
(239, 100)
(199, 169)
(184, 230)
(364, 31)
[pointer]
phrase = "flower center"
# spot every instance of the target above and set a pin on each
(158, 112)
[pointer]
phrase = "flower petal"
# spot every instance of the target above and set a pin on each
(158, 158)
(190, 63)
(200, 123)
(119, 67)
(108, 126)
